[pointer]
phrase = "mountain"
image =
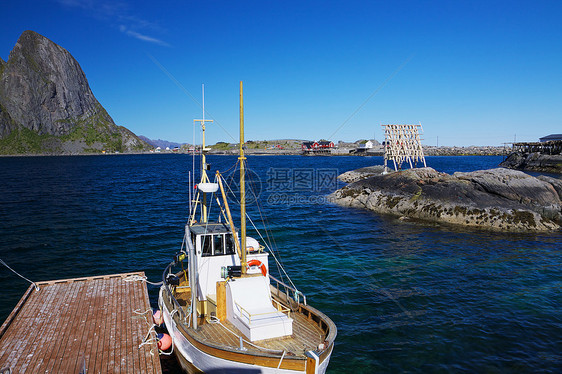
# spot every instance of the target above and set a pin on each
(47, 106)
(161, 143)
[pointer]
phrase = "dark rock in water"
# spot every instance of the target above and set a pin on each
(47, 106)
(498, 199)
(534, 161)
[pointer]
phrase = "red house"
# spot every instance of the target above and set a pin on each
(317, 147)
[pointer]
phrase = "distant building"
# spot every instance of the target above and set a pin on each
(325, 145)
(317, 147)
(551, 138)
(367, 145)
(307, 146)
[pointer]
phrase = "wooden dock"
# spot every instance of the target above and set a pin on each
(82, 325)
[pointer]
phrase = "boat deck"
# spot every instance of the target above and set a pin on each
(92, 325)
(307, 335)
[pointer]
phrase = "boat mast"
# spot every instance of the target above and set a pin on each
(242, 187)
(204, 178)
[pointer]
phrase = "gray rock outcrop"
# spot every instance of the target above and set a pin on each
(363, 173)
(46, 102)
(497, 199)
(534, 162)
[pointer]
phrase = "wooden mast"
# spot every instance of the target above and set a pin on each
(242, 187)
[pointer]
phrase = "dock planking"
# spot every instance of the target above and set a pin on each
(92, 325)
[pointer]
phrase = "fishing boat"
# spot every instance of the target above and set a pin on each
(224, 310)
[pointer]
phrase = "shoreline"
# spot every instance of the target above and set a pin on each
(430, 152)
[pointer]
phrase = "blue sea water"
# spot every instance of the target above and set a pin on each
(406, 297)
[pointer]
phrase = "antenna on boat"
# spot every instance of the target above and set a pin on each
(204, 166)
(242, 187)
(190, 199)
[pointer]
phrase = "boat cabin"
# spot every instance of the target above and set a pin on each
(213, 239)
(215, 249)
(247, 300)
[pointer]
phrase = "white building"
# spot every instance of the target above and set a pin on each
(366, 145)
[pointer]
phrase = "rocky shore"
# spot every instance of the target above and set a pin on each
(534, 162)
(497, 199)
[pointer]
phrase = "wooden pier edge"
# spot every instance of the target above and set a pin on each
(93, 304)
(16, 310)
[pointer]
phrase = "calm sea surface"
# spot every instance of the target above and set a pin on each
(405, 297)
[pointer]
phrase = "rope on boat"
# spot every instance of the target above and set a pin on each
(135, 277)
(280, 361)
(270, 242)
(280, 266)
(216, 320)
(146, 340)
(271, 251)
(21, 276)
(138, 312)
(153, 339)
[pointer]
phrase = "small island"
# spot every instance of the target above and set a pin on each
(497, 199)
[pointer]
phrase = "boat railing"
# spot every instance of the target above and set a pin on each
(172, 299)
(250, 315)
(296, 293)
(282, 308)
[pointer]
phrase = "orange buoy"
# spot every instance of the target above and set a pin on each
(259, 264)
(157, 318)
(164, 341)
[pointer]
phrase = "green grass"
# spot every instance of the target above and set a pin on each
(221, 146)
(25, 141)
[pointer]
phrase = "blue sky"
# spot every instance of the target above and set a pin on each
(471, 72)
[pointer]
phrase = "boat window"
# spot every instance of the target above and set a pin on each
(206, 245)
(218, 247)
(229, 244)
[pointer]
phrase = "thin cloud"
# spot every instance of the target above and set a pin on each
(102, 10)
(142, 37)
(117, 12)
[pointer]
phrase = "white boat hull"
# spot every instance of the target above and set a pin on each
(211, 364)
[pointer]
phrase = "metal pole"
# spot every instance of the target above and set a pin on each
(192, 276)
(242, 186)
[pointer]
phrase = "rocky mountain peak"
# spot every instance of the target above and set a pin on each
(44, 90)
(44, 85)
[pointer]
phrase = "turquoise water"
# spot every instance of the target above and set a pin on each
(405, 297)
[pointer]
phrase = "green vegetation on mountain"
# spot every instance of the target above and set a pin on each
(24, 141)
